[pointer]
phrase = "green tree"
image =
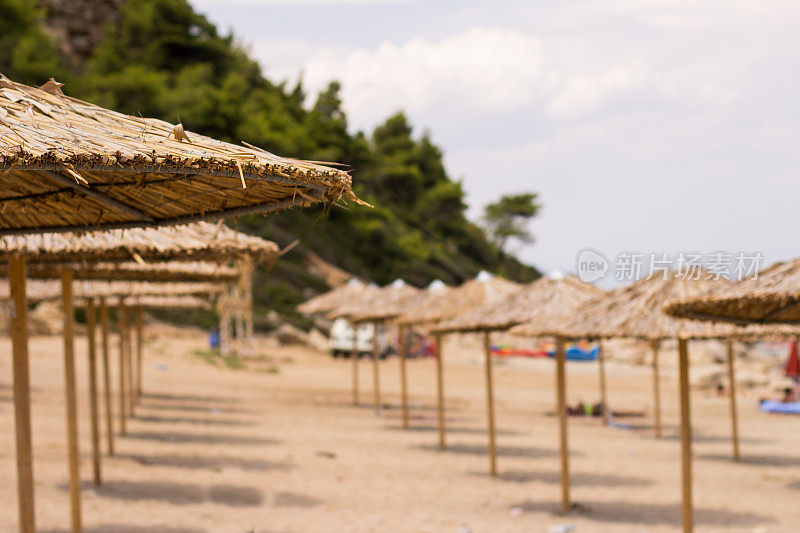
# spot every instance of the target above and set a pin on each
(508, 218)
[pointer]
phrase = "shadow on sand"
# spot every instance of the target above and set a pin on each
(215, 463)
(581, 479)
(502, 451)
(146, 404)
(178, 493)
(121, 528)
(649, 514)
(753, 460)
(189, 420)
(199, 438)
(293, 499)
(188, 398)
(454, 430)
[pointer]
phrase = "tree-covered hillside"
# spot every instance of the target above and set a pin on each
(160, 58)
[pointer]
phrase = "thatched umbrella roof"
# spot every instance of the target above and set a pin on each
(485, 289)
(151, 272)
(191, 242)
(68, 165)
(636, 311)
(536, 301)
(41, 290)
(329, 301)
(176, 302)
(385, 303)
(771, 298)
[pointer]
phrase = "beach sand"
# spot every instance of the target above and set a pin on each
(279, 447)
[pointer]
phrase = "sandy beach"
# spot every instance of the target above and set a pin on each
(279, 447)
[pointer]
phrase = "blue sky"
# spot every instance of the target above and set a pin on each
(645, 125)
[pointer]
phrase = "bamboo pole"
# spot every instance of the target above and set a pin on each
(487, 347)
(403, 376)
(561, 403)
(121, 311)
(72, 407)
(107, 375)
(656, 391)
(93, 407)
(440, 389)
(139, 352)
(732, 394)
(601, 359)
(131, 391)
(22, 403)
(354, 355)
(686, 436)
(375, 374)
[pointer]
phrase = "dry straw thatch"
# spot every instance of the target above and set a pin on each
(545, 297)
(192, 242)
(484, 290)
(771, 298)
(152, 272)
(169, 302)
(68, 165)
(41, 290)
(333, 299)
(384, 303)
(636, 311)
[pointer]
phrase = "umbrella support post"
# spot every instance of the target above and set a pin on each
(22, 405)
(355, 355)
(376, 384)
(139, 352)
(656, 391)
(131, 392)
(121, 312)
(403, 376)
(686, 436)
(107, 375)
(440, 390)
(561, 404)
(732, 394)
(490, 404)
(93, 407)
(72, 408)
(601, 359)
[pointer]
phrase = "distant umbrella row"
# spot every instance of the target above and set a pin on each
(654, 309)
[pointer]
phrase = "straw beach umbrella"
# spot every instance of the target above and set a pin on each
(67, 165)
(382, 305)
(636, 311)
(773, 297)
(484, 290)
(328, 302)
(544, 297)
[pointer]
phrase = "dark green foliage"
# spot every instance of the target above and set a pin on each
(508, 217)
(162, 59)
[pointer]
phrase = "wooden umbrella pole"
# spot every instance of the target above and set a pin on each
(487, 347)
(139, 352)
(601, 359)
(440, 389)
(375, 374)
(354, 355)
(93, 407)
(129, 361)
(403, 376)
(686, 436)
(22, 404)
(732, 394)
(107, 375)
(656, 391)
(121, 311)
(561, 403)
(72, 404)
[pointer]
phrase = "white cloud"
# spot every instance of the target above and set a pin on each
(479, 69)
